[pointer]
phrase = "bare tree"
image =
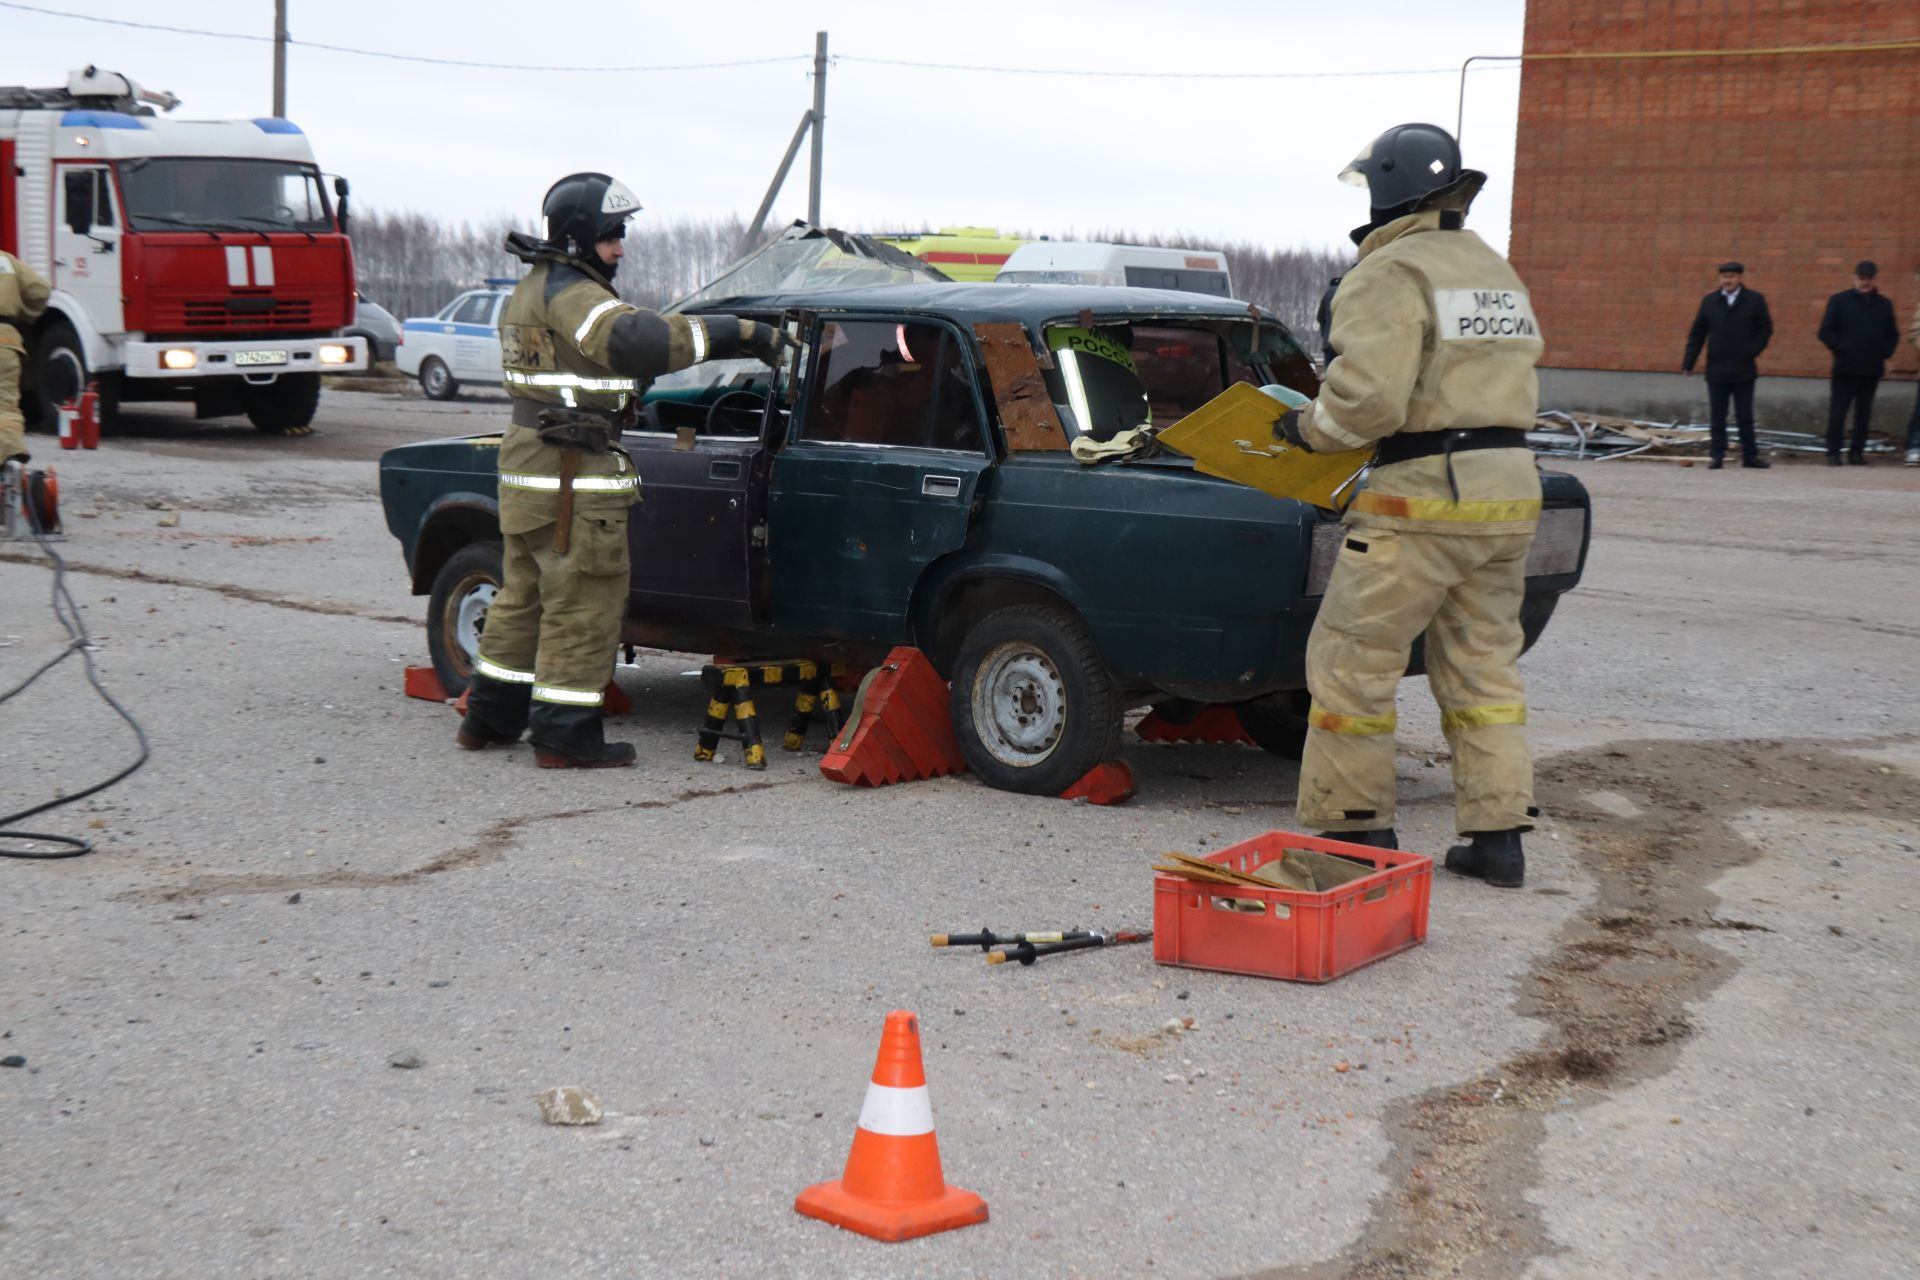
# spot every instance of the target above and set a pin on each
(413, 263)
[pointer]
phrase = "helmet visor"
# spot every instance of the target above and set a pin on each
(1355, 174)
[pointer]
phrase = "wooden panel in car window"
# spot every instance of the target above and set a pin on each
(1019, 388)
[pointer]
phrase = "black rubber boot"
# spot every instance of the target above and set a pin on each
(1383, 839)
(1493, 856)
(496, 713)
(575, 738)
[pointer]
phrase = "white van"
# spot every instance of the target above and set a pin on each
(1082, 262)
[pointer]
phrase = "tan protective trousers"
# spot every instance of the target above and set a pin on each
(556, 622)
(1388, 586)
(13, 440)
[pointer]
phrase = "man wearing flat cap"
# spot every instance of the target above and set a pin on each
(1860, 330)
(1734, 325)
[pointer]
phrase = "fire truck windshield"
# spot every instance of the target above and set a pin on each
(219, 194)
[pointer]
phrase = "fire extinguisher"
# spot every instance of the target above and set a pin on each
(80, 420)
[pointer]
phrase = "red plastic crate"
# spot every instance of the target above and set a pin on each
(1303, 937)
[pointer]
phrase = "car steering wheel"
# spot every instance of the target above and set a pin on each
(713, 410)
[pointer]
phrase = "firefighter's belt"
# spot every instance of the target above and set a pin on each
(1426, 444)
(1231, 436)
(564, 427)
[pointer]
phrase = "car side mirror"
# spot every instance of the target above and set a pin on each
(340, 190)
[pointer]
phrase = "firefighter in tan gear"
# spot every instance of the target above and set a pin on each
(23, 296)
(1436, 343)
(575, 358)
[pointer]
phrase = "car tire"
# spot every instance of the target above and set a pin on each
(1278, 722)
(457, 611)
(59, 369)
(284, 406)
(1034, 706)
(437, 380)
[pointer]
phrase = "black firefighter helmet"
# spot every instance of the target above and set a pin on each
(583, 209)
(1412, 167)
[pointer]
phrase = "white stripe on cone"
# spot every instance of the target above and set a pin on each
(896, 1113)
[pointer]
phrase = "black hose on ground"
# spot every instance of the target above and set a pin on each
(67, 610)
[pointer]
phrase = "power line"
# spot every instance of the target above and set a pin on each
(1149, 75)
(397, 57)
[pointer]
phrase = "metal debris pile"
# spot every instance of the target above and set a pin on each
(1598, 437)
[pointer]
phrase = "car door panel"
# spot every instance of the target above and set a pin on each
(854, 520)
(690, 536)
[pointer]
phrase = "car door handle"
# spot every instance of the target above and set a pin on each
(940, 486)
(723, 471)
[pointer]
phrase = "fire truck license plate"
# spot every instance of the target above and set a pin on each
(259, 357)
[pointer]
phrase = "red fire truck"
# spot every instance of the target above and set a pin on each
(194, 260)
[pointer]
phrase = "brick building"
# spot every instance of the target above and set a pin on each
(1634, 177)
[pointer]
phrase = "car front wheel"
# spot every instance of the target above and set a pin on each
(463, 591)
(1034, 706)
(437, 380)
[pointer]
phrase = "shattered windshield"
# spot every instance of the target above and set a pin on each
(218, 194)
(807, 258)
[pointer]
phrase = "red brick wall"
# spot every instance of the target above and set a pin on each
(1634, 179)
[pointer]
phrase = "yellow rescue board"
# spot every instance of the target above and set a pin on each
(1231, 436)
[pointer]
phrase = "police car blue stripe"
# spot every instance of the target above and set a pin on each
(441, 326)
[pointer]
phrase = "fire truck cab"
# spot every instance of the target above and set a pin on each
(190, 260)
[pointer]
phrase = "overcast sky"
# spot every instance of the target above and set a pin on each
(1249, 159)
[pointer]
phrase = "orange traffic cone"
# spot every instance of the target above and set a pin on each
(893, 1188)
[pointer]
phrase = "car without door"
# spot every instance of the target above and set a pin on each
(908, 479)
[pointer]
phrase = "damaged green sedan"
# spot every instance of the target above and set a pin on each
(910, 479)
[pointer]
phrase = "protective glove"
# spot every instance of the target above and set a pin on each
(764, 342)
(1288, 428)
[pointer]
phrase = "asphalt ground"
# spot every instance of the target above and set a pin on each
(1685, 1049)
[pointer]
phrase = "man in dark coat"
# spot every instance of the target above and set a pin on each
(1860, 330)
(1734, 325)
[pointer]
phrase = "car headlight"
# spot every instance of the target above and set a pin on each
(178, 358)
(335, 353)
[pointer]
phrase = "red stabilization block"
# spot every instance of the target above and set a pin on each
(617, 702)
(1216, 726)
(1109, 783)
(424, 682)
(905, 731)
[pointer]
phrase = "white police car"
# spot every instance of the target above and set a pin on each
(461, 344)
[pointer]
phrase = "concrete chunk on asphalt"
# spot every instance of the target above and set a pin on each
(569, 1104)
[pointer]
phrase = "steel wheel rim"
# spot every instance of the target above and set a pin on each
(1019, 705)
(437, 379)
(469, 621)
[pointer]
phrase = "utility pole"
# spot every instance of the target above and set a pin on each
(819, 123)
(280, 58)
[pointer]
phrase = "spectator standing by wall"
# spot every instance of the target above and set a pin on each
(1860, 330)
(1734, 325)
(1913, 423)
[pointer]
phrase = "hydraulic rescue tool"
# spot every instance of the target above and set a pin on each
(1026, 952)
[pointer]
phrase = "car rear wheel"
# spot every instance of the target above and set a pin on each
(1034, 706)
(437, 380)
(284, 406)
(1278, 722)
(463, 591)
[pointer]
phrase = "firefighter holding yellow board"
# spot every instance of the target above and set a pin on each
(23, 296)
(1436, 344)
(575, 359)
